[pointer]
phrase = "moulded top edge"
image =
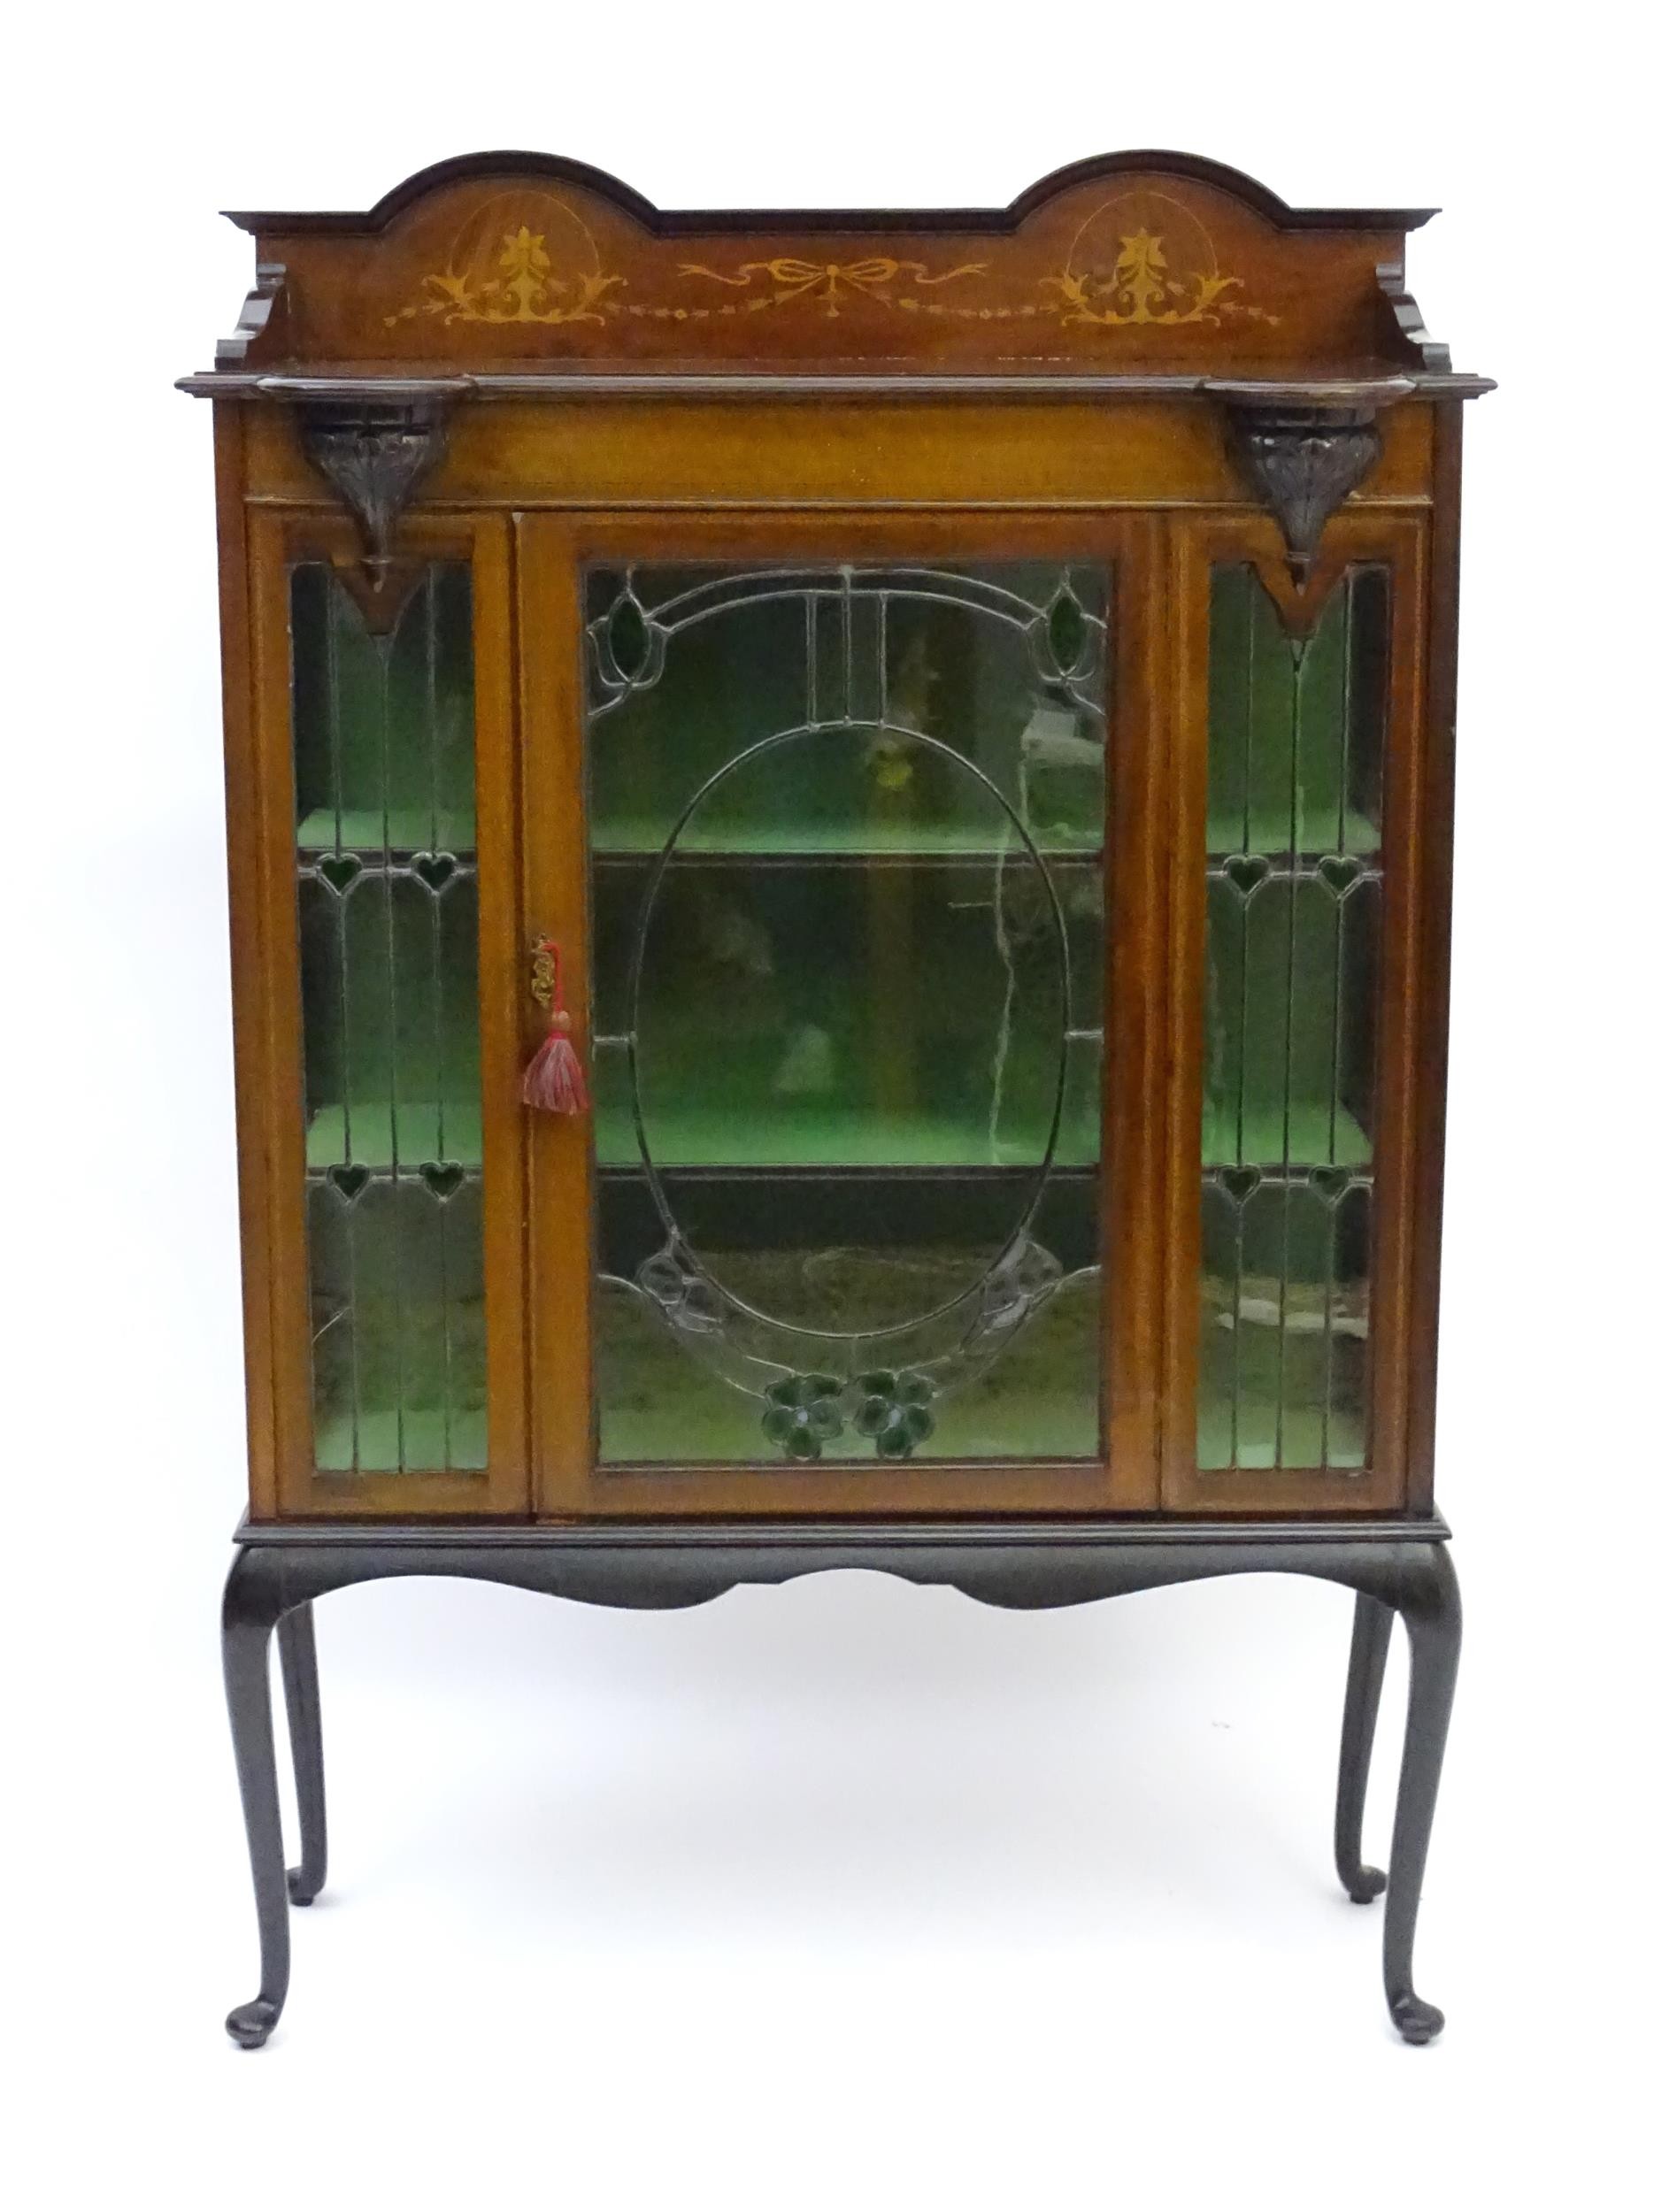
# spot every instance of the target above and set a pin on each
(673, 222)
(1329, 391)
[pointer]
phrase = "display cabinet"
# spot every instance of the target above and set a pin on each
(840, 866)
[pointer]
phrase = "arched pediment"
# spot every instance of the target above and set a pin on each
(1145, 264)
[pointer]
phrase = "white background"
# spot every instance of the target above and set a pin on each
(843, 1894)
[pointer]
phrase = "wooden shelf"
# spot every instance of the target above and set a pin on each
(640, 840)
(1306, 1142)
(380, 1135)
(785, 1139)
(787, 1142)
(1271, 833)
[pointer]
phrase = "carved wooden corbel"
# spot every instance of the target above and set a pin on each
(260, 304)
(375, 455)
(1303, 462)
(1432, 353)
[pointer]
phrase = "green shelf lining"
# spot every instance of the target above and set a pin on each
(368, 829)
(643, 839)
(426, 1448)
(827, 1140)
(416, 1134)
(1307, 1144)
(1301, 1441)
(1271, 833)
(699, 1141)
(404, 829)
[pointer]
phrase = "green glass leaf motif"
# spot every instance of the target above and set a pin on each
(628, 636)
(895, 1409)
(803, 1414)
(1067, 628)
(908, 1427)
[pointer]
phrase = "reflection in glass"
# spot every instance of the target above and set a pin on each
(387, 898)
(1294, 882)
(847, 828)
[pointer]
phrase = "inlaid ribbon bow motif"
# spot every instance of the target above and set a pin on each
(792, 279)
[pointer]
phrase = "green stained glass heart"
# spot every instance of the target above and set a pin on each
(1246, 871)
(338, 870)
(1339, 872)
(436, 871)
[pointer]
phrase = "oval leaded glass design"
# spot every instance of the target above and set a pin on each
(847, 830)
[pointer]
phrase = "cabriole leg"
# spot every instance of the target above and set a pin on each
(1371, 1635)
(1433, 1617)
(301, 1679)
(247, 1622)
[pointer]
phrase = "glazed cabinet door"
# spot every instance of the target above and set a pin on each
(1295, 862)
(841, 830)
(385, 836)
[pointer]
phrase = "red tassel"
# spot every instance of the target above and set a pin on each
(554, 1082)
(554, 1079)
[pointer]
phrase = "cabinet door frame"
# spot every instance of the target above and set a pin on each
(551, 549)
(1198, 542)
(267, 985)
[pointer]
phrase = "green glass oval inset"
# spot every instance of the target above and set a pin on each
(1067, 628)
(628, 636)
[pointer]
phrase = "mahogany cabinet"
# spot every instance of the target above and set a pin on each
(839, 864)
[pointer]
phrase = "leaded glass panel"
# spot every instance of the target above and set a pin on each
(1294, 884)
(847, 829)
(387, 899)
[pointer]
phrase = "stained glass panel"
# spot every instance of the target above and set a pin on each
(1294, 883)
(847, 828)
(387, 899)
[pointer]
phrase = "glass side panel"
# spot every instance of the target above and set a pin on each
(1296, 741)
(387, 908)
(847, 828)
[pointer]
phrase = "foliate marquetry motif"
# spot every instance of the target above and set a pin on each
(1142, 261)
(523, 257)
(1145, 259)
(374, 457)
(1303, 463)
